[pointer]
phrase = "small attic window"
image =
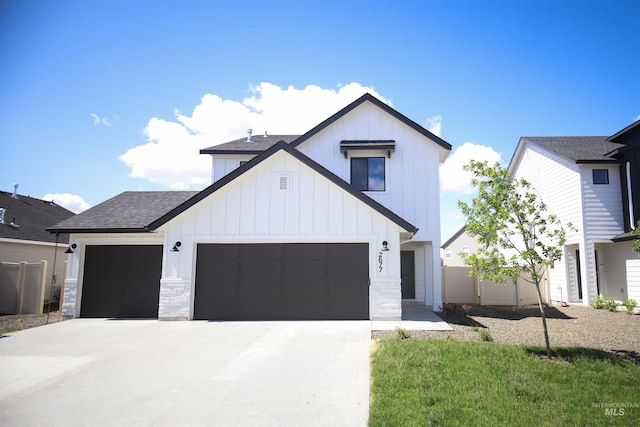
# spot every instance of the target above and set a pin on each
(600, 176)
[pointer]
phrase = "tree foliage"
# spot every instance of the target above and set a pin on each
(636, 241)
(510, 222)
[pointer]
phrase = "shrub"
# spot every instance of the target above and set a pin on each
(630, 304)
(485, 335)
(608, 303)
(402, 334)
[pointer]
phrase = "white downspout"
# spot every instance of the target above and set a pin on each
(629, 197)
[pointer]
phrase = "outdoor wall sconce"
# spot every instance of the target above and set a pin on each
(176, 247)
(71, 248)
(384, 246)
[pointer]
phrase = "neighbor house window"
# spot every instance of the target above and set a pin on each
(601, 176)
(367, 173)
(465, 250)
(243, 162)
(447, 253)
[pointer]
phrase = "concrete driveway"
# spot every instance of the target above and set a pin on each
(149, 373)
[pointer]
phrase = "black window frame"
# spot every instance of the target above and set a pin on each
(355, 178)
(600, 178)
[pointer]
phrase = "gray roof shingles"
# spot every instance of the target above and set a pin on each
(130, 211)
(32, 216)
(581, 149)
(259, 144)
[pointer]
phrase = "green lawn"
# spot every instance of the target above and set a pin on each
(456, 383)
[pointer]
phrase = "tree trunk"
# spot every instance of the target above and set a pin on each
(544, 321)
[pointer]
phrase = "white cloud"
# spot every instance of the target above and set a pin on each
(434, 125)
(171, 155)
(97, 120)
(72, 202)
(452, 176)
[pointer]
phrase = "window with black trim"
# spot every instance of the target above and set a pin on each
(367, 173)
(600, 176)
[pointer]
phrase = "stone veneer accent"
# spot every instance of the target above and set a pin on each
(70, 298)
(175, 299)
(385, 300)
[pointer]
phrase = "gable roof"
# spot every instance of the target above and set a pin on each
(629, 134)
(581, 149)
(242, 146)
(129, 212)
(32, 216)
(146, 211)
(375, 101)
(261, 143)
(282, 145)
(454, 237)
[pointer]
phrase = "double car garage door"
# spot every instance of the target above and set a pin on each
(235, 281)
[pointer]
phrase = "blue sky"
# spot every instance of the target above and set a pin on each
(83, 83)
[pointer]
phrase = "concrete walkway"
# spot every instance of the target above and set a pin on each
(415, 317)
(96, 372)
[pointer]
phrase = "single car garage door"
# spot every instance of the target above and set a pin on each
(286, 281)
(121, 281)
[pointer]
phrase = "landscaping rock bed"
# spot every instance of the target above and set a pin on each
(572, 326)
(18, 322)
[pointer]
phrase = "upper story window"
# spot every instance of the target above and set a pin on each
(447, 253)
(465, 250)
(600, 176)
(367, 173)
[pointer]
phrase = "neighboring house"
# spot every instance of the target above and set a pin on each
(593, 183)
(460, 243)
(341, 222)
(24, 239)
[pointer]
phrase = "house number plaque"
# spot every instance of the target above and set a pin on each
(380, 262)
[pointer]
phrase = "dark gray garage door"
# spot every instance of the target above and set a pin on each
(121, 281)
(282, 281)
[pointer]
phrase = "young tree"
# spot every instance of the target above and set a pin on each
(517, 238)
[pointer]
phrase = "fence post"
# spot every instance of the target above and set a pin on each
(22, 278)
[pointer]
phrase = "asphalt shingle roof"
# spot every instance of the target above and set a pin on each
(239, 146)
(578, 148)
(32, 216)
(130, 211)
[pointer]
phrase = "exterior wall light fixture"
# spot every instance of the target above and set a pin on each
(384, 246)
(176, 247)
(71, 248)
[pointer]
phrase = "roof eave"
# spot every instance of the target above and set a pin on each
(205, 151)
(593, 162)
(99, 230)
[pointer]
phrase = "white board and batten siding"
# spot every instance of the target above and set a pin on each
(254, 208)
(411, 173)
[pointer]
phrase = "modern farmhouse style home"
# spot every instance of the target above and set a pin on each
(341, 222)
